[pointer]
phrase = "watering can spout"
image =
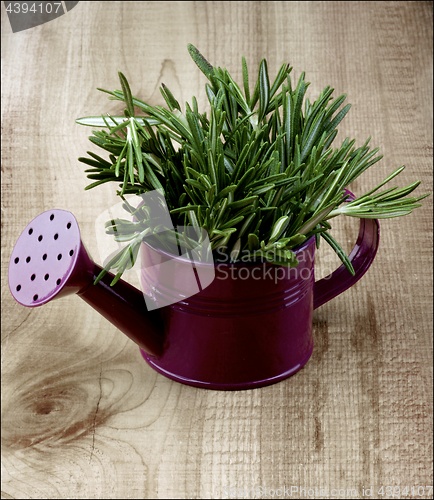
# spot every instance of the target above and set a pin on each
(124, 306)
(49, 261)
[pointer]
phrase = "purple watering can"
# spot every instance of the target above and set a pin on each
(251, 327)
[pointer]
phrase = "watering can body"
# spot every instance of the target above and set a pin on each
(251, 326)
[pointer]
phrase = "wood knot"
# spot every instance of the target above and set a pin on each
(51, 413)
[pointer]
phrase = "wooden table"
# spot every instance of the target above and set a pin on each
(82, 415)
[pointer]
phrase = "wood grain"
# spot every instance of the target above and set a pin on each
(82, 415)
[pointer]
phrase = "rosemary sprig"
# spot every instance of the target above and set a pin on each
(257, 171)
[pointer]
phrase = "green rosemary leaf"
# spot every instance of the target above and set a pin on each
(100, 121)
(93, 163)
(385, 181)
(246, 79)
(220, 212)
(130, 162)
(200, 61)
(150, 174)
(330, 138)
(399, 193)
(232, 222)
(119, 160)
(250, 200)
(211, 95)
(98, 183)
(193, 220)
(338, 118)
(139, 161)
(168, 97)
(246, 225)
(317, 217)
(236, 95)
(210, 194)
(282, 257)
(278, 228)
(339, 252)
(133, 131)
(115, 131)
(282, 75)
(195, 130)
(298, 96)
(335, 105)
(187, 208)
(196, 184)
(245, 179)
(266, 180)
(288, 114)
(264, 90)
(253, 242)
(127, 94)
(311, 138)
(99, 159)
(235, 250)
(101, 174)
(255, 96)
(318, 107)
(263, 189)
(104, 145)
(223, 237)
(295, 240)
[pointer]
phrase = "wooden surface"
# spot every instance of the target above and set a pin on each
(82, 415)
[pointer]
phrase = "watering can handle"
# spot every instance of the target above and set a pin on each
(361, 258)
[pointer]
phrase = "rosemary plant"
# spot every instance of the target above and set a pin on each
(257, 171)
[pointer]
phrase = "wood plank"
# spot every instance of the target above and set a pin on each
(82, 415)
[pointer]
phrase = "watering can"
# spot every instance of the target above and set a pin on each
(250, 327)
